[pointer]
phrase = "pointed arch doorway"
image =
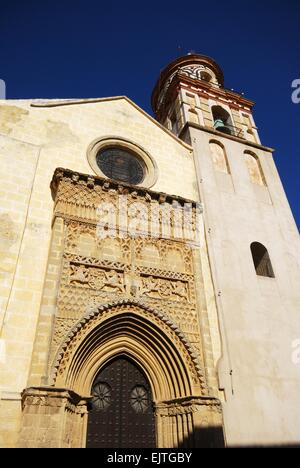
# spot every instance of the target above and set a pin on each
(121, 414)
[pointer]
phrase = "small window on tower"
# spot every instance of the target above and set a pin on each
(261, 260)
(205, 76)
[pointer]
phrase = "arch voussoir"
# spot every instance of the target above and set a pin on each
(135, 326)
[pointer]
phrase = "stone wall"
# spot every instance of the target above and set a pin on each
(35, 138)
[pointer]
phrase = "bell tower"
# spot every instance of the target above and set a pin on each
(253, 247)
(191, 91)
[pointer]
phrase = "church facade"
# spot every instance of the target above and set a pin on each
(149, 272)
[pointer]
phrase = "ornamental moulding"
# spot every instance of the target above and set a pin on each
(121, 188)
(187, 405)
(51, 396)
(125, 306)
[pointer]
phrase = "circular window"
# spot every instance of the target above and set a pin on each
(101, 396)
(120, 165)
(123, 161)
(139, 399)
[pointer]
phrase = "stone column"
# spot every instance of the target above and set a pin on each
(41, 350)
(190, 422)
(52, 418)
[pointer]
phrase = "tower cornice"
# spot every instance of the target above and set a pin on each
(224, 135)
(203, 89)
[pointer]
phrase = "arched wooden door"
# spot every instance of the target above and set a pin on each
(121, 414)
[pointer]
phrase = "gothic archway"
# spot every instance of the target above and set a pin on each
(148, 336)
(154, 344)
(182, 405)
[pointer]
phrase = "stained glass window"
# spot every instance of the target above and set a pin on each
(121, 165)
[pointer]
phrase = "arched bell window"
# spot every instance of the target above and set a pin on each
(222, 120)
(261, 260)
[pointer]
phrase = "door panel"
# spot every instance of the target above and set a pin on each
(122, 411)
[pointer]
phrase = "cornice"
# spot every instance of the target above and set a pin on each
(206, 90)
(224, 135)
(108, 184)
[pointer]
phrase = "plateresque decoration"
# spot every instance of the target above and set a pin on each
(122, 297)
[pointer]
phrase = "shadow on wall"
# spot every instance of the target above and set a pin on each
(270, 446)
(212, 437)
(204, 437)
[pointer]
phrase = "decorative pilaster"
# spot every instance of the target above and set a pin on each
(52, 418)
(190, 422)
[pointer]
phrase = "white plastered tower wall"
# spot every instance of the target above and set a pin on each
(258, 315)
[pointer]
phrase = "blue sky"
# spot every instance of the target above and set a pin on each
(94, 49)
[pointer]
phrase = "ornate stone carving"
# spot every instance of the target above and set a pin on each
(111, 294)
(100, 280)
(79, 274)
(155, 271)
(90, 261)
(188, 405)
(164, 288)
(159, 272)
(61, 329)
(165, 248)
(74, 229)
(50, 396)
(37, 400)
(97, 278)
(100, 314)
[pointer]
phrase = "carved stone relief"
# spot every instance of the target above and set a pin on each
(96, 278)
(157, 272)
(164, 288)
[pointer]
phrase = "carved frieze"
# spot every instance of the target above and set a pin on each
(53, 397)
(164, 288)
(96, 278)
